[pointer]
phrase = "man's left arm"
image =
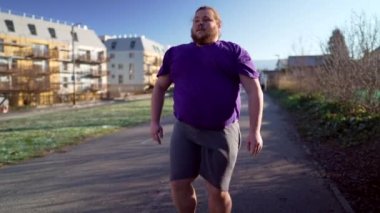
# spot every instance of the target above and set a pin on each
(255, 107)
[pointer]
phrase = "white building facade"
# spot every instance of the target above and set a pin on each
(133, 63)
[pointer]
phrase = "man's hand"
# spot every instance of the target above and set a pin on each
(156, 132)
(255, 143)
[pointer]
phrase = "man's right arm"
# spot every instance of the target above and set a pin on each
(158, 96)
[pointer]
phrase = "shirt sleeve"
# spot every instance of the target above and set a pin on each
(165, 68)
(246, 65)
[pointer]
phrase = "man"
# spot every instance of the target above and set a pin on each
(206, 74)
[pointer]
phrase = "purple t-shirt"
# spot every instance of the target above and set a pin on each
(206, 82)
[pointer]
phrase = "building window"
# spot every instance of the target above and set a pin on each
(14, 63)
(32, 29)
(88, 55)
(120, 79)
(131, 67)
(40, 65)
(52, 32)
(65, 66)
(101, 56)
(40, 50)
(120, 66)
(75, 36)
(113, 76)
(112, 55)
(132, 44)
(65, 80)
(131, 55)
(1, 45)
(4, 62)
(131, 75)
(131, 71)
(10, 26)
(113, 45)
(113, 65)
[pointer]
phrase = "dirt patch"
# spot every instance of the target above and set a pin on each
(355, 170)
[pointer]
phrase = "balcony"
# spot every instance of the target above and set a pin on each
(94, 74)
(60, 54)
(92, 88)
(5, 86)
(86, 59)
(6, 70)
(35, 70)
(31, 86)
(150, 80)
(95, 87)
(11, 54)
(149, 69)
(32, 71)
(38, 70)
(54, 70)
(13, 44)
(32, 53)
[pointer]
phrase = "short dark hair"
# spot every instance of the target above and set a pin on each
(216, 14)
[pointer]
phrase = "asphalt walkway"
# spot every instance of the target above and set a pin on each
(127, 172)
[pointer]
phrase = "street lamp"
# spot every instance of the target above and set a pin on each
(278, 61)
(73, 39)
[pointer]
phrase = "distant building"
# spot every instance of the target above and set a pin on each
(306, 61)
(133, 64)
(36, 61)
(282, 64)
(264, 67)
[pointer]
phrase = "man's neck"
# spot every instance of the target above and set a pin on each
(205, 44)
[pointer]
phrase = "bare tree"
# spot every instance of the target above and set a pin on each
(351, 69)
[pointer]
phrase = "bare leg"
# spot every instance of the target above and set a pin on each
(184, 196)
(218, 200)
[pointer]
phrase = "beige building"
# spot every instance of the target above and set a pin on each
(133, 64)
(45, 62)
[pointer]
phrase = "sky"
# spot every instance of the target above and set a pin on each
(267, 29)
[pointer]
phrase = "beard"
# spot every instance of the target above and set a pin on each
(207, 37)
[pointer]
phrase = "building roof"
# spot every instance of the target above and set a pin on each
(21, 23)
(306, 61)
(129, 43)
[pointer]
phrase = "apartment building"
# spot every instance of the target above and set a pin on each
(45, 62)
(133, 64)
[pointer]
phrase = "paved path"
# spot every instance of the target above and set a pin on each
(125, 172)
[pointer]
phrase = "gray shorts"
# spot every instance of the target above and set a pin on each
(211, 154)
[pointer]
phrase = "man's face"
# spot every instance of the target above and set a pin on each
(205, 29)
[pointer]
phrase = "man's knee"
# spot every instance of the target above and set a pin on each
(217, 193)
(182, 187)
(184, 196)
(219, 200)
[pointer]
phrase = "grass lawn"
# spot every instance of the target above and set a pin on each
(24, 138)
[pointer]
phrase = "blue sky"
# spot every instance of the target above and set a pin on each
(266, 28)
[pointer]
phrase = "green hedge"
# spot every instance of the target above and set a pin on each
(324, 120)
